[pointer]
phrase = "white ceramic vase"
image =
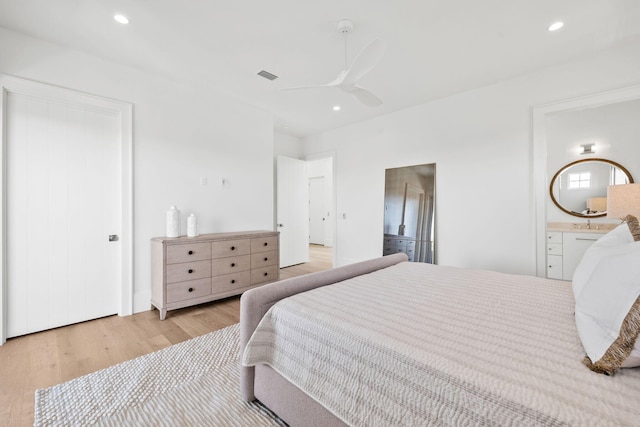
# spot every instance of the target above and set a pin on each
(173, 222)
(192, 226)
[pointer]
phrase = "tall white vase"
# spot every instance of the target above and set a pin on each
(192, 226)
(173, 222)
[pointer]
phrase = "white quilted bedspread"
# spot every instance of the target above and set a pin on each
(417, 344)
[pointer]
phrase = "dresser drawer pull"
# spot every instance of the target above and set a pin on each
(233, 264)
(190, 289)
(233, 248)
(266, 244)
(266, 259)
(266, 274)
(233, 280)
(190, 253)
(190, 270)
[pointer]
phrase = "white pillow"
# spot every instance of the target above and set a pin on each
(617, 237)
(608, 303)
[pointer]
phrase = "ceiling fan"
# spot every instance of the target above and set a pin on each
(362, 64)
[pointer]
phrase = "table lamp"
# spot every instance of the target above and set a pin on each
(623, 200)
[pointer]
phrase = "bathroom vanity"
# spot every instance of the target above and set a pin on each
(567, 243)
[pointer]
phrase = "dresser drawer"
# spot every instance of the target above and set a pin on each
(228, 282)
(554, 267)
(264, 274)
(230, 265)
(188, 271)
(264, 259)
(388, 250)
(264, 244)
(554, 237)
(554, 248)
(187, 290)
(227, 248)
(188, 252)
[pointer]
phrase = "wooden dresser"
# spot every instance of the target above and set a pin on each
(394, 244)
(191, 270)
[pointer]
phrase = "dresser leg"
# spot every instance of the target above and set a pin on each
(163, 313)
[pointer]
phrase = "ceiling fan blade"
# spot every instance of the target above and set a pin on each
(365, 61)
(336, 82)
(365, 96)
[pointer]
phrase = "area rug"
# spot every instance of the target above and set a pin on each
(195, 382)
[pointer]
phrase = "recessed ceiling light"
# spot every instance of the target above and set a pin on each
(555, 26)
(121, 19)
(336, 108)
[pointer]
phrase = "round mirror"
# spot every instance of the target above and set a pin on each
(580, 188)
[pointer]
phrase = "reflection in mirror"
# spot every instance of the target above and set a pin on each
(409, 212)
(580, 188)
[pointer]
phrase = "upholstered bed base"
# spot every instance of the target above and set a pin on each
(290, 403)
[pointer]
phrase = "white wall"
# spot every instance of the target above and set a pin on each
(480, 141)
(181, 134)
(287, 145)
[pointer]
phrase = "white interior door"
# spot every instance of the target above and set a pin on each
(292, 204)
(63, 200)
(317, 211)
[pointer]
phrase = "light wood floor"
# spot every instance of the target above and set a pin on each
(51, 357)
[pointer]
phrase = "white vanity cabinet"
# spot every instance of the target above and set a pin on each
(565, 250)
(554, 255)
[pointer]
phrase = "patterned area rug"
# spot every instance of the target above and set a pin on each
(191, 383)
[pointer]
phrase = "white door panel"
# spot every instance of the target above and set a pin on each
(292, 210)
(63, 200)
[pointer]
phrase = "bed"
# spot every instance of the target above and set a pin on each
(388, 342)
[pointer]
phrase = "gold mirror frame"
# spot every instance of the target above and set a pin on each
(566, 167)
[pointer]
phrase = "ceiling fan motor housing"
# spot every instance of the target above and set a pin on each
(345, 26)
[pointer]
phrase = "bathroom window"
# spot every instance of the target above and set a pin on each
(618, 176)
(580, 180)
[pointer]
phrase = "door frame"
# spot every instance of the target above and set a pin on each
(324, 222)
(10, 84)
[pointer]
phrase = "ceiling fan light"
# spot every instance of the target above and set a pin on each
(556, 26)
(121, 19)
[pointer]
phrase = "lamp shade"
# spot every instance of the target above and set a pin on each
(597, 204)
(623, 200)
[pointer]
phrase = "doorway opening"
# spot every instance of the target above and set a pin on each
(305, 211)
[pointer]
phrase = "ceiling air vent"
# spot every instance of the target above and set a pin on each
(267, 75)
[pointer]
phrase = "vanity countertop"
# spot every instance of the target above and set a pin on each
(581, 227)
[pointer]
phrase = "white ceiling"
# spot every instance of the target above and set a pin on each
(435, 47)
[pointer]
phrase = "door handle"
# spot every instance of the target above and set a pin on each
(113, 237)
(280, 225)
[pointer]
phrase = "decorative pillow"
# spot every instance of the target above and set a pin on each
(618, 237)
(634, 227)
(607, 289)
